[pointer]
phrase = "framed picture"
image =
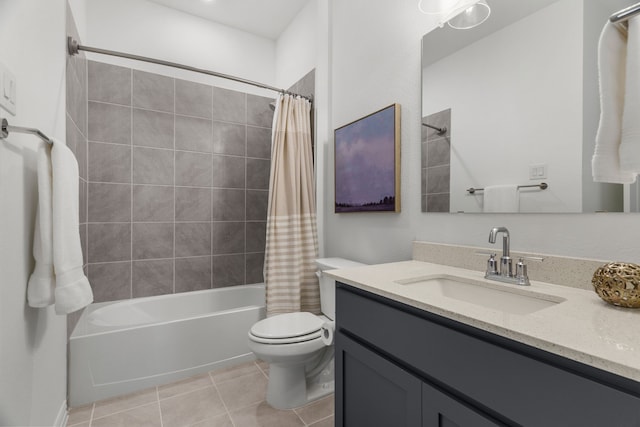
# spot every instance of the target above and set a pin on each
(367, 163)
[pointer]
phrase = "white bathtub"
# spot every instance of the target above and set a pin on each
(124, 346)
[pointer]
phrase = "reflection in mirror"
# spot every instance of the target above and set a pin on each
(519, 98)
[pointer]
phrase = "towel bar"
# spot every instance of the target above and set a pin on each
(542, 186)
(4, 132)
(620, 19)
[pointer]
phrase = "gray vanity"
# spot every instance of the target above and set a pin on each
(412, 351)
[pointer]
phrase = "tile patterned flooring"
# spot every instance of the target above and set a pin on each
(230, 397)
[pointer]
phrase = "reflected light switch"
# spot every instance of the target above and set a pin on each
(538, 171)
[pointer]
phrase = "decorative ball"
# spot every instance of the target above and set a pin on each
(618, 283)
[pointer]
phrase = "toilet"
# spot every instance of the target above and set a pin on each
(299, 346)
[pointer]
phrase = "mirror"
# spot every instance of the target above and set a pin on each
(519, 98)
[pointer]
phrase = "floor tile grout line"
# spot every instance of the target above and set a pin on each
(159, 405)
(239, 376)
(185, 392)
(221, 399)
(321, 419)
(234, 379)
(261, 370)
(121, 411)
(93, 408)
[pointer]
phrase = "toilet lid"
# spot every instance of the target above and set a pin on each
(287, 326)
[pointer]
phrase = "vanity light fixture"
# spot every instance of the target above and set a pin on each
(459, 14)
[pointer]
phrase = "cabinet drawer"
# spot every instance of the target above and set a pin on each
(510, 385)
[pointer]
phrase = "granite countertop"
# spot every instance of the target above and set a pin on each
(580, 326)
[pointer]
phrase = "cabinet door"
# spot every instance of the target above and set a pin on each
(372, 391)
(441, 410)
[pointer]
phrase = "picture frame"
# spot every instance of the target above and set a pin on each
(367, 163)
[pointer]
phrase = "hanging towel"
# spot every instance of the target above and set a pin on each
(41, 287)
(612, 54)
(501, 198)
(630, 145)
(57, 236)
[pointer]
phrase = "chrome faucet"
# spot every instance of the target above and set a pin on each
(505, 273)
(505, 259)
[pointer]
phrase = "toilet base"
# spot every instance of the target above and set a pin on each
(289, 387)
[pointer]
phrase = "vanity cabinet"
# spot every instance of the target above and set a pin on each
(400, 366)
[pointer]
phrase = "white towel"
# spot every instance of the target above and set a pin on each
(41, 287)
(612, 54)
(57, 236)
(630, 145)
(501, 198)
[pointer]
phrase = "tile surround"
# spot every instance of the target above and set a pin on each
(152, 129)
(232, 396)
(230, 138)
(146, 144)
(109, 123)
(153, 91)
(170, 184)
(109, 163)
(109, 83)
(193, 134)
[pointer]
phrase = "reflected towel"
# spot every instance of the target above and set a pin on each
(58, 276)
(630, 145)
(612, 54)
(501, 198)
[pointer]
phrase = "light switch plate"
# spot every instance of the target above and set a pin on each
(7, 90)
(537, 171)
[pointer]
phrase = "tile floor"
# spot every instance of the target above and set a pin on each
(230, 397)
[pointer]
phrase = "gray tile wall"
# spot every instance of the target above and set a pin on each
(436, 170)
(177, 181)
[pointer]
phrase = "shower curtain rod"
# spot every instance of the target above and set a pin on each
(74, 47)
(621, 17)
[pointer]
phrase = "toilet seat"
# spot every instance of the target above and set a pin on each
(287, 328)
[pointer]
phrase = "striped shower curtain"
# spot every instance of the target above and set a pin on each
(292, 238)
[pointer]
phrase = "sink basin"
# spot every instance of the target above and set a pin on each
(514, 300)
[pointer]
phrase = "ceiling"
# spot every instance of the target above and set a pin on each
(260, 17)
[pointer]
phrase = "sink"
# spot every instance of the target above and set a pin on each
(492, 296)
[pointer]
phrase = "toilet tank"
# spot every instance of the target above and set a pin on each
(328, 285)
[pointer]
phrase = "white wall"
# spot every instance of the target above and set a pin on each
(296, 48)
(148, 29)
(488, 102)
(376, 61)
(32, 341)
(303, 46)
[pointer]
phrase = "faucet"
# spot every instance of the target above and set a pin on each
(505, 259)
(505, 274)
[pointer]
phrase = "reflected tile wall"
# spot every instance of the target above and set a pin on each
(176, 183)
(435, 163)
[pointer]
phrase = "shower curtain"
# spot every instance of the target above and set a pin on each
(292, 238)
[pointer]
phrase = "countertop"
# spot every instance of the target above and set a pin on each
(582, 327)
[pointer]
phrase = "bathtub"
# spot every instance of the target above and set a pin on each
(125, 346)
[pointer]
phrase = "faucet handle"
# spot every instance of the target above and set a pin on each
(492, 264)
(521, 273)
(521, 269)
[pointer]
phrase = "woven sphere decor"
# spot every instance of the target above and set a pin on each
(618, 283)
